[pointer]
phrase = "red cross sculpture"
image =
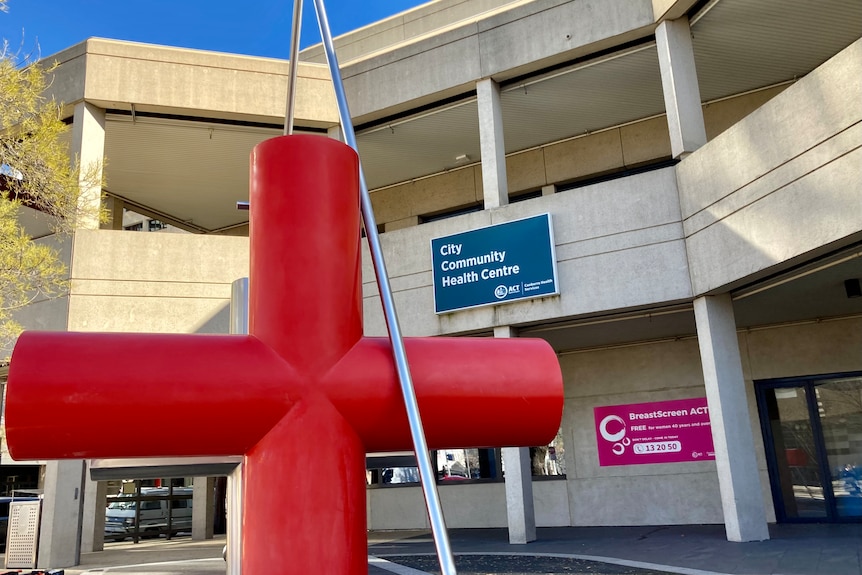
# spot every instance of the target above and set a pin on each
(303, 397)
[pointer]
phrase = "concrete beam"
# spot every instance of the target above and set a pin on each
(671, 9)
(171, 80)
(523, 37)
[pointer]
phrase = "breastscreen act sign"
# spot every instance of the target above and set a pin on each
(658, 432)
(495, 264)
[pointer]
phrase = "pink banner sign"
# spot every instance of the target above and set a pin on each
(658, 432)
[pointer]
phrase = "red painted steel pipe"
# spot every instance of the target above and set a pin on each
(302, 398)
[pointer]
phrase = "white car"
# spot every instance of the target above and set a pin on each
(155, 508)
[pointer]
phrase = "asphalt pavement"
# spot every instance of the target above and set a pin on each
(687, 550)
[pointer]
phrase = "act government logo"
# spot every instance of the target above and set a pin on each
(501, 291)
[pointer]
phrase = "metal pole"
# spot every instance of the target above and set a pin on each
(426, 472)
(294, 65)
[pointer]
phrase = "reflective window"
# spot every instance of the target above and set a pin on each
(455, 466)
(549, 460)
(813, 437)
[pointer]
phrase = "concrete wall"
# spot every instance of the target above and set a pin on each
(504, 44)
(413, 24)
(476, 505)
(661, 494)
(161, 79)
(680, 492)
(163, 283)
(637, 494)
(619, 245)
(810, 348)
(49, 314)
(743, 194)
(405, 27)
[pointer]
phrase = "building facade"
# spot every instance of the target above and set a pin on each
(700, 162)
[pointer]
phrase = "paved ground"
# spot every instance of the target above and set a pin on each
(504, 564)
(156, 556)
(687, 550)
(690, 549)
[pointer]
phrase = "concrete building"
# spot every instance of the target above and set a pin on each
(700, 162)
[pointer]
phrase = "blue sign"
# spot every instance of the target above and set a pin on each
(496, 264)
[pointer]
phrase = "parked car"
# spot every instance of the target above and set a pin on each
(122, 512)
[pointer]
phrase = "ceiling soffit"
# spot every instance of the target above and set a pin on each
(740, 45)
(193, 171)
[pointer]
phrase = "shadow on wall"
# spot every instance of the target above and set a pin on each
(744, 192)
(217, 322)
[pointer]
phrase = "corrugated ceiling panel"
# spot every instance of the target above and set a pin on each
(193, 172)
(424, 145)
(608, 93)
(741, 45)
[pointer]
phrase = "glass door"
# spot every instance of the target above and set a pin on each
(839, 405)
(813, 435)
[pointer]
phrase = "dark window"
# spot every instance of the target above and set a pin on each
(445, 214)
(525, 196)
(156, 225)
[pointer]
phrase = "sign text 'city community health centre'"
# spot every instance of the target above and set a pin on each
(496, 264)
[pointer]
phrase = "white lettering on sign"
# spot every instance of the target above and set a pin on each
(465, 278)
(657, 447)
(450, 250)
(662, 414)
(500, 272)
(451, 265)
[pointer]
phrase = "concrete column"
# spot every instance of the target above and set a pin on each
(203, 508)
(335, 133)
(493, 149)
(93, 522)
(233, 548)
(549, 190)
(61, 524)
(520, 512)
(114, 207)
(234, 521)
(679, 82)
(738, 476)
(88, 145)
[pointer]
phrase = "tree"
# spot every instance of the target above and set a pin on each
(35, 172)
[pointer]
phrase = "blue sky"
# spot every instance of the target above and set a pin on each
(252, 27)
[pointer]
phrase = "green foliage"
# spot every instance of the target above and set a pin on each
(35, 173)
(28, 271)
(38, 170)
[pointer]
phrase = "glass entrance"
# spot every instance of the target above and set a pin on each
(813, 435)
